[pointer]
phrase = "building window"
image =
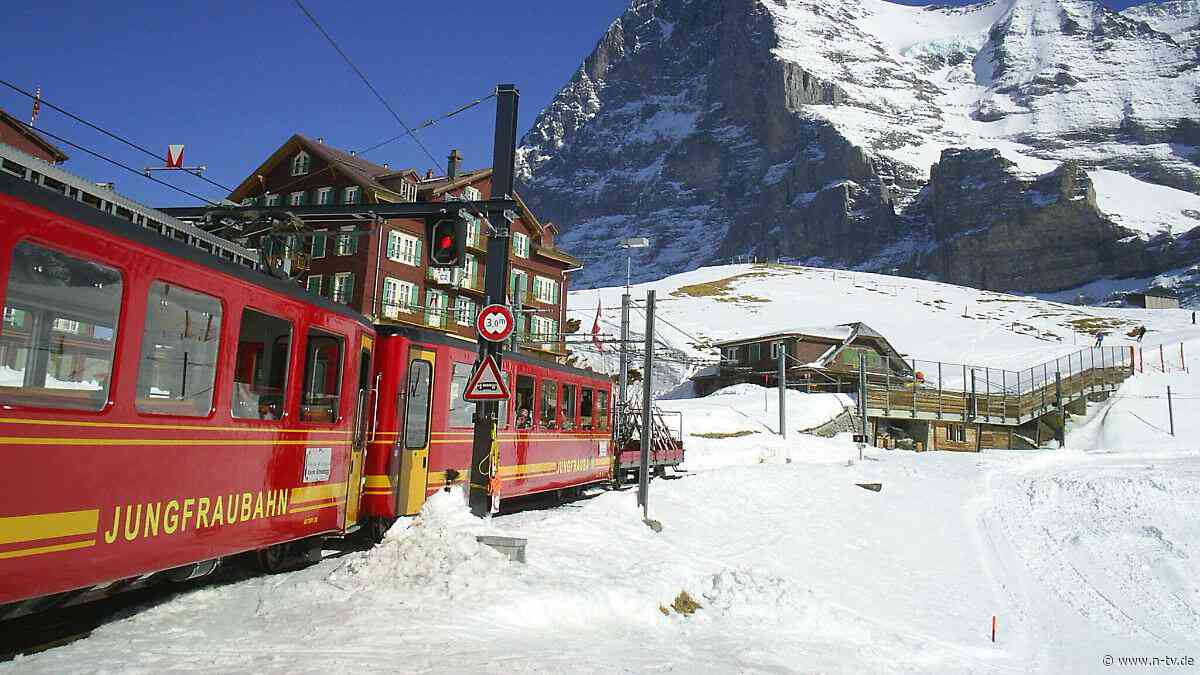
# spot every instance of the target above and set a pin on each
(324, 196)
(435, 309)
(45, 287)
(313, 283)
(404, 248)
(319, 241)
(464, 311)
(248, 201)
(520, 245)
(755, 353)
(408, 191)
(956, 433)
(777, 348)
(473, 226)
(471, 194)
(259, 377)
(301, 164)
(296, 199)
(543, 329)
(518, 284)
(350, 195)
(180, 344)
(398, 296)
(729, 355)
(545, 290)
(343, 287)
(347, 242)
(470, 272)
(270, 199)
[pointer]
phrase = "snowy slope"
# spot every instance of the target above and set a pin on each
(924, 320)
(1145, 207)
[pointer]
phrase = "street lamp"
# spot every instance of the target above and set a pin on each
(628, 245)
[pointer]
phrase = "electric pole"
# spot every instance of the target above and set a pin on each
(647, 417)
(485, 449)
(782, 390)
(622, 393)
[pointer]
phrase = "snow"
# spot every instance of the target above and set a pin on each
(1081, 552)
(1145, 207)
(830, 332)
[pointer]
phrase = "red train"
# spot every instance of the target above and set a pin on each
(164, 409)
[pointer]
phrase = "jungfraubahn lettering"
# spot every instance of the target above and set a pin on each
(176, 516)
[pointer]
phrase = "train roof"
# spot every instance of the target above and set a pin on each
(52, 201)
(424, 335)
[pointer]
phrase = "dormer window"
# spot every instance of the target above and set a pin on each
(301, 164)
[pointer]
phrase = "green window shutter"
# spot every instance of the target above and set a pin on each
(417, 250)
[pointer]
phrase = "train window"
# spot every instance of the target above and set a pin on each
(179, 351)
(524, 402)
(548, 418)
(585, 409)
(461, 412)
(59, 330)
(502, 418)
(322, 377)
(416, 415)
(601, 409)
(568, 407)
(260, 375)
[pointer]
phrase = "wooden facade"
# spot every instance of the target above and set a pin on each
(380, 267)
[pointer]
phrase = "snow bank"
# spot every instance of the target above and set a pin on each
(1145, 207)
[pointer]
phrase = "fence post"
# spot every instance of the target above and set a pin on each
(1162, 361)
(1171, 411)
(887, 374)
(1103, 369)
(1182, 361)
(974, 407)
(1045, 383)
(1003, 394)
(966, 402)
(939, 390)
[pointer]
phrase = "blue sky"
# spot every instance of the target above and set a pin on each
(232, 80)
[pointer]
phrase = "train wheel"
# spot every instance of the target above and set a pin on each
(290, 556)
(378, 527)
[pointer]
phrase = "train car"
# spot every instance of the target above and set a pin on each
(555, 434)
(162, 408)
(666, 450)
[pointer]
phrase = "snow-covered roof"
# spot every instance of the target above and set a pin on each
(836, 333)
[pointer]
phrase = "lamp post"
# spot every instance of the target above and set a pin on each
(628, 245)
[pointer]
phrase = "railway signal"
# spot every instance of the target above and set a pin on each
(447, 242)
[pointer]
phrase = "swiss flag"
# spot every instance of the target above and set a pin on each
(596, 329)
(175, 156)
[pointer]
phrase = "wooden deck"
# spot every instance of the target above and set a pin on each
(1022, 397)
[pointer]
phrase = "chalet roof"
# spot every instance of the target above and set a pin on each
(839, 338)
(33, 136)
(366, 174)
(836, 333)
(443, 184)
(1156, 292)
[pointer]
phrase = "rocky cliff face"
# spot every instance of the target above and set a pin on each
(947, 142)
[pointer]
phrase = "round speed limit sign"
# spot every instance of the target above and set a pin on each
(495, 323)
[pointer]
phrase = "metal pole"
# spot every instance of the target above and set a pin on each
(939, 390)
(974, 407)
(518, 304)
(862, 390)
(782, 393)
(1062, 413)
(623, 382)
(1171, 411)
(647, 420)
(504, 152)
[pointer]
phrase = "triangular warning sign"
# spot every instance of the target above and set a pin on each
(486, 383)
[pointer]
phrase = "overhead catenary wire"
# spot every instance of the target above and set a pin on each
(364, 79)
(106, 132)
(114, 162)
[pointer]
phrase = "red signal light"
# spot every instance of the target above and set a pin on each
(445, 242)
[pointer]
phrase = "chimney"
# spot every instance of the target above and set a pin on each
(320, 139)
(386, 165)
(453, 164)
(428, 174)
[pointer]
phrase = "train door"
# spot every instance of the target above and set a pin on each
(415, 433)
(358, 447)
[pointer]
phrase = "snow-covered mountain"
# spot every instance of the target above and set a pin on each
(1014, 144)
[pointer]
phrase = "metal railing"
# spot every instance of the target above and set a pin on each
(940, 390)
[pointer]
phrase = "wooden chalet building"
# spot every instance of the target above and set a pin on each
(379, 267)
(821, 358)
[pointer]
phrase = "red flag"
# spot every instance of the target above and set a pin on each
(37, 106)
(596, 329)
